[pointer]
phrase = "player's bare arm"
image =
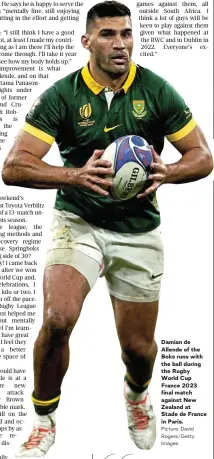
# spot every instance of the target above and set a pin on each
(196, 162)
(24, 166)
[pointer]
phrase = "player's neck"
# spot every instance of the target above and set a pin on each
(104, 79)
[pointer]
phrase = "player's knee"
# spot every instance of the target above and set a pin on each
(138, 351)
(59, 323)
(55, 332)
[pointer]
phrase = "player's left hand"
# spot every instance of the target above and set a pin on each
(158, 175)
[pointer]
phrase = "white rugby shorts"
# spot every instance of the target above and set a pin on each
(132, 263)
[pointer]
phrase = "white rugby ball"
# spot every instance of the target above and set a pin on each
(131, 158)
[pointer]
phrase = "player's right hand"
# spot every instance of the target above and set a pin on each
(93, 174)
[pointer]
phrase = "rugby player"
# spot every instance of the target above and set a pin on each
(93, 235)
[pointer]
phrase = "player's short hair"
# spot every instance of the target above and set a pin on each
(106, 9)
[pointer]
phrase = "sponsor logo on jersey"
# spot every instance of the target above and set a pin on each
(106, 129)
(37, 102)
(187, 113)
(85, 113)
(139, 108)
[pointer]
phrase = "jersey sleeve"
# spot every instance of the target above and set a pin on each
(177, 117)
(43, 119)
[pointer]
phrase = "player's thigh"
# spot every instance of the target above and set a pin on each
(135, 322)
(136, 268)
(72, 243)
(65, 289)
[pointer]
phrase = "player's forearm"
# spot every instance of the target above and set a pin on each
(194, 165)
(28, 171)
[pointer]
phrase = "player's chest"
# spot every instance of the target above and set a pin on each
(98, 118)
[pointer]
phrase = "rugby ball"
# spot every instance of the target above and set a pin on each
(131, 158)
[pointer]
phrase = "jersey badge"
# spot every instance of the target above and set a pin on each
(139, 108)
(85, 113)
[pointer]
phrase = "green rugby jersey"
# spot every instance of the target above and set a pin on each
(74, 112)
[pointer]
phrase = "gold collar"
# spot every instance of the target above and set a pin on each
(96, 88)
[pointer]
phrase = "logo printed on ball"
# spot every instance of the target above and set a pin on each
(131, 158)
(131, 182)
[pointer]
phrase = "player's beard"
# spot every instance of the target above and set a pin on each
(113, 69)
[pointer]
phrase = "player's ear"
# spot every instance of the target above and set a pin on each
(85, 40)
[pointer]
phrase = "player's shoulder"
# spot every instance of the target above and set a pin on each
(69, 83)
(150, 80)
(62, 92)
